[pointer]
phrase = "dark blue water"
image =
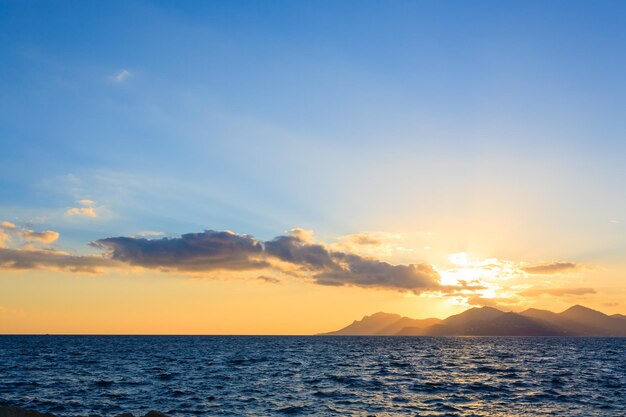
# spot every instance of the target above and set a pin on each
(263, 376)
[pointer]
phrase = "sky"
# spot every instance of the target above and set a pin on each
(281, 167)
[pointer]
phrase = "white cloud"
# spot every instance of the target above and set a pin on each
(86, 202)
(48, 236)
(7, 225)
(4, 238)
(122, 76)
(150, 233)
(82, 211)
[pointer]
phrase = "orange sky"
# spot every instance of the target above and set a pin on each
(139, 300)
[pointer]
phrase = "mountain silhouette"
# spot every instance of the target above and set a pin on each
(595, 322)
(489, 321)
(381, 324)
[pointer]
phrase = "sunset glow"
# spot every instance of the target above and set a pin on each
(204, 169)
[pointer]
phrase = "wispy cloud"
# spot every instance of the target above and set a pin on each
(497, 302)
(148, 233)
(22, 259)
(82, 212)
(556, 292)
(4, 238)
(550, 268)
(7, 225)
(122, 76)
(8, 231)
(86, 211)
(47, 236)
(269, 280)
(374, 244)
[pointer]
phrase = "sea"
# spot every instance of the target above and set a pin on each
(314, 375)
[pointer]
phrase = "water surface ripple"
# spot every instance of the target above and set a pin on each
(325, 376)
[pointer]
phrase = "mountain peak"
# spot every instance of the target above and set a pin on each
(381, 315)
(535, 310)
(578, 309)
(488, 308)
(368, 324)
(489, 321)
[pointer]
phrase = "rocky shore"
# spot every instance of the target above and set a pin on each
(21, 412)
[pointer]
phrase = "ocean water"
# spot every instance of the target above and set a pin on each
(334, 376)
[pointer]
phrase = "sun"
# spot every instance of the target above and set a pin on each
(476, 277)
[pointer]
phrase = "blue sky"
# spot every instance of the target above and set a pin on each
(446, 154)
(335, 116)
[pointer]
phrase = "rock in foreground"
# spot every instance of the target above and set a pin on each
(20, 412)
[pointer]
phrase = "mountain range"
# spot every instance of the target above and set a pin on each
(489, 321)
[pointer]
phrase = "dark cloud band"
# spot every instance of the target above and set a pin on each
(222, 250)
(20, 259)
(206, 251)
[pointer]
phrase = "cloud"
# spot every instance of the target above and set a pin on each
(9, 230)
(504, 303)
(374, 244)
(207, 251)
(82, 211)
(4, 238)
(550, 268)
(303, 234)
(147, 233)
(122, 76)
(21, 259)
(292, 249)
(366, 239)
(295, 253)
(48, 236)
(482, 301)
(269, 280)
(7, 225)
(224, 250)
(556, 292)
(364, 272)
(86, 211)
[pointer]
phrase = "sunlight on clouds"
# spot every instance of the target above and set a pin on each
(481, 280)
(373, 244)
(463, 268)
(4, 238)
(8, 231)
(460, 258)
(148, 233)
(504, 284)
(82, 211)
(86, 211)
(304, 235)
(355, 260)
(7, 225)
(47, 236)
